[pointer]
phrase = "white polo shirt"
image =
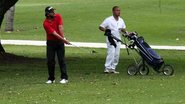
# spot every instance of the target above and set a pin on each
(114, 25)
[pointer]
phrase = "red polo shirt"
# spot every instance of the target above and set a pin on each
(53, 25)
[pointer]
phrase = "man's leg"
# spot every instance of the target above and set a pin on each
(61, 61)
(116, 56)
(110, 56)
(51, 62)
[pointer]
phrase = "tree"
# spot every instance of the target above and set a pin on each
(10, 19)
(4, 6)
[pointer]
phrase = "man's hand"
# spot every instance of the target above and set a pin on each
(67, 42)
(61, 38)
(122, 30)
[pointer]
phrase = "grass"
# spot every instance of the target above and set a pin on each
(22, 78)
(160, 26)
(23, 83)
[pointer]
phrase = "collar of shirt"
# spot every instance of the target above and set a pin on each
(112, 17)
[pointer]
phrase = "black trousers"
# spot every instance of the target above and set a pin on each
(56, 47)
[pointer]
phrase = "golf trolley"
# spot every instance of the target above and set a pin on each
(148, 56)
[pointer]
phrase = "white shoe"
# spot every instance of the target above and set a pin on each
(50, 82)
(106, 71)
(114, 72)
(64, 81)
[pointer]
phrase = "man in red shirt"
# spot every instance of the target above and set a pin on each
(53, 26)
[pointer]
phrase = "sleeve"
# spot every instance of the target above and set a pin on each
(60, 20)
(48, 28)
(104, 24)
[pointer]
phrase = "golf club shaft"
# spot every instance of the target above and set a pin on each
(83, 49)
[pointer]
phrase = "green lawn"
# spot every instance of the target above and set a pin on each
(23, 81)
(22, 77)
(160, 26)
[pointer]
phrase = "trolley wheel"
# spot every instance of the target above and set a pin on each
(143, 69)
(168, 70)
(132, 70)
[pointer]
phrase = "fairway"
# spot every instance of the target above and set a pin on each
(23, 81)
(23, 72)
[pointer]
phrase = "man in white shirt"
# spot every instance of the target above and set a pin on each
(116, 24)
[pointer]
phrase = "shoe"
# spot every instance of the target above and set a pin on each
(114, 72)
(64, 81)
(106, 71)
(50, 81)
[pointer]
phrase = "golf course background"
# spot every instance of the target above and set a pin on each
(22, 78)
(159, 22)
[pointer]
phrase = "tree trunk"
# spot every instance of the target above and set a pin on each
(10, 19)
(4, 6)
(1, 48)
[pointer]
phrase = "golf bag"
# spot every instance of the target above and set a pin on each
(146, 52)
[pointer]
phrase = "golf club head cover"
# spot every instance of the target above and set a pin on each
(110, 38)
(112, 42)
(107, 32)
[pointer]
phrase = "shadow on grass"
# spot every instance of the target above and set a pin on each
(8, 58)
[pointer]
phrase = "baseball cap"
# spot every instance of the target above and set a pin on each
(49, 9)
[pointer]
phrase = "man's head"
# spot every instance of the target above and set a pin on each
(116, 11)
(49, 12)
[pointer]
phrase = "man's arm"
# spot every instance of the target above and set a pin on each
(102, 29)
(61, 30)
(124, 31)
(51, 31)
(60, 37)
(60, 25)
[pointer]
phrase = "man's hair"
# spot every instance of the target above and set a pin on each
(115, 7)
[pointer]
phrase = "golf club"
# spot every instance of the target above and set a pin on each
(83, 49)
